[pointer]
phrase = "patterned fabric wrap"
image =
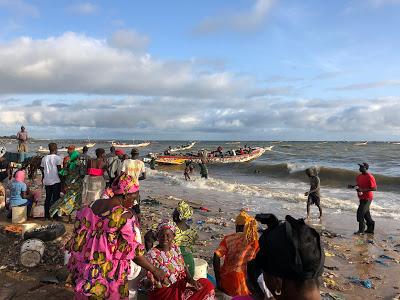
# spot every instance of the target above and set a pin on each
(101, 250)
(72, 199)
(124, 185)
(166, 224)
(250, 226)
(171, 262)
(185, 211)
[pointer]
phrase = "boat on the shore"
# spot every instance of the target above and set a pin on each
(123, 145)
(183, 147)
(195, 158)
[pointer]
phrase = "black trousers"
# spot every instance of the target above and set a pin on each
(363, 214)
(52, 195)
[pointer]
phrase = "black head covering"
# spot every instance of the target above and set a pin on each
(364, 165)
(292, 250)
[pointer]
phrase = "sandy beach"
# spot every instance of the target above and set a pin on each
(376, 258)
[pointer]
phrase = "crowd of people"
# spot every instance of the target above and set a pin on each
(110, 260)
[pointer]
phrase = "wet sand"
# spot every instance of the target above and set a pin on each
(347, 255)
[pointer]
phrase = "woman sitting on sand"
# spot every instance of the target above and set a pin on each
(94, 183)
(178, 283)
(72, 199)
(19, 193)
(237, 250)
(185, 237)
(292, 258)
(102, 246)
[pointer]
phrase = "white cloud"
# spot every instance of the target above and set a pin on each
(20, 7)
(368, 85)
(129, 39)
(74, 63)
(242, 21)
(190, 118)
(84, 8)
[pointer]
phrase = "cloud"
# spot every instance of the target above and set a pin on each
(75, 63)
(20, 7)
(275, 91)
(185, 118)
(129, 39)
(241, 21)
(84, 8)
(368, 85)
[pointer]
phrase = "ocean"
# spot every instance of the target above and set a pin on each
(277, 181)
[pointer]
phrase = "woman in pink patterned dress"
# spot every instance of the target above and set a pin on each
(177, 284)
(103, 245)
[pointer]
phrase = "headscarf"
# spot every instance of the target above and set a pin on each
(73, 159)
(292, 250)
(119, 152)
(71, 148)
(20, 176)
(3, 151)
(166, 224)
(124, 185)
(250, 226)
(184, 210)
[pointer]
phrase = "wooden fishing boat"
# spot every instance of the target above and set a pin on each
(184, 147)
(226, 159)
(123, 145)
(64, 149)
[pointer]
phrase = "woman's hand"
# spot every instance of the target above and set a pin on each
(159, 274)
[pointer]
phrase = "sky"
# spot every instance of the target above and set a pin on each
(201, 70)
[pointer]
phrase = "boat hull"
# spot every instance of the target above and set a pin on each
(181, 159)
(130, 145)
(183, 148)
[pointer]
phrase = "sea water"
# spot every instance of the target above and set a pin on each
(277, 181)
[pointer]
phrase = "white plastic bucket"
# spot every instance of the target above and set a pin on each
(19, 214)
(31, 252)
(200, 269)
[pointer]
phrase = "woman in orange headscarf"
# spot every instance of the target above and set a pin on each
(237, 249)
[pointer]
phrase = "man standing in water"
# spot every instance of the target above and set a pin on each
(203, 169)
(366, 184)
(313, 194)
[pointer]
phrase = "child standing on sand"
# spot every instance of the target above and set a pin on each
(314, 192)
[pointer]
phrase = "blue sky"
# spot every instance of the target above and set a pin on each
(243, 69)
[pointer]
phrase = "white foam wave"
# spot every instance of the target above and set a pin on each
(282, 196)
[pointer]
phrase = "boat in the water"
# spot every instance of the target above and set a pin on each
(225, 159)
(123, 145)
(361, 144)
(64, 149)
(183, 147)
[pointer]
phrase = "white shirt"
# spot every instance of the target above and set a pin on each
(133, 167)
(49, 164)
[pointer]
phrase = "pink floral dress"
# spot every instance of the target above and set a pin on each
(101, 249)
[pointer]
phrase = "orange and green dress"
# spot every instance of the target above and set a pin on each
(237, 252)
(101, 249)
